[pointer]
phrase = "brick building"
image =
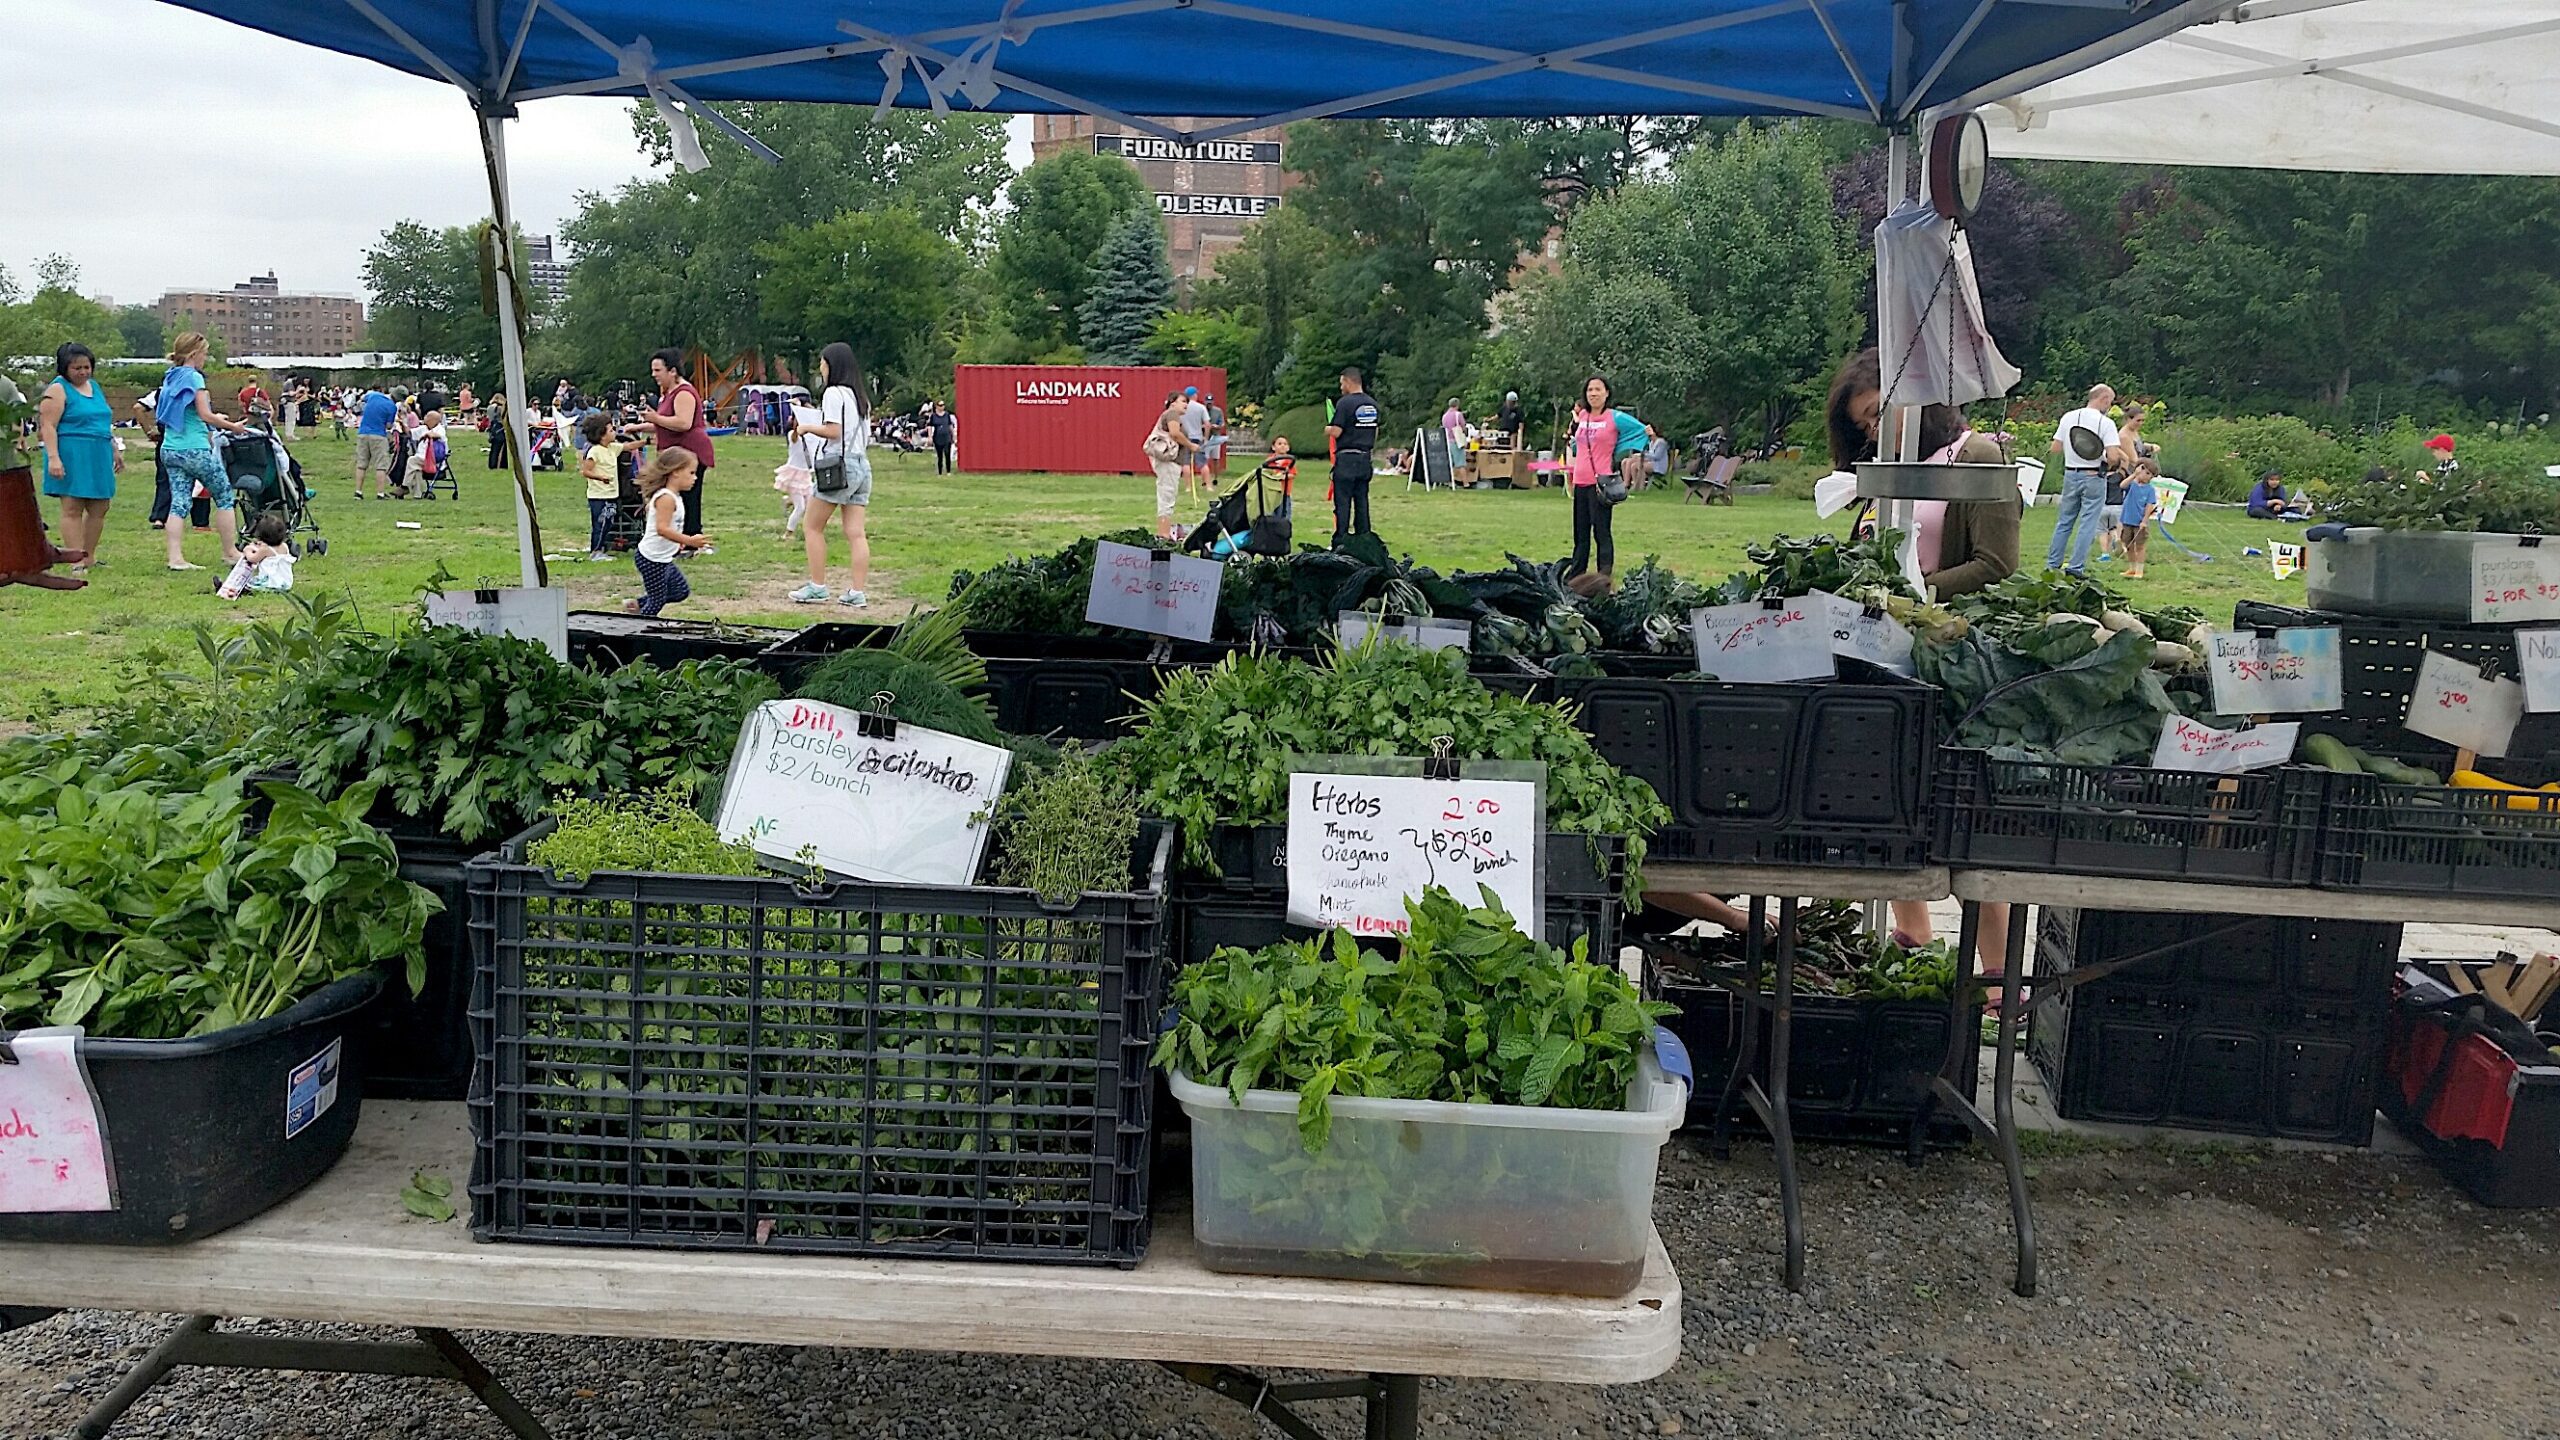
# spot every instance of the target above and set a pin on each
(1207, 192)
(258, 317)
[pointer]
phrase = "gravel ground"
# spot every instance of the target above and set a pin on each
(2187, 1292)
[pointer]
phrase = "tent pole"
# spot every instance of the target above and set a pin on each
(1899, 437)
(493, 149)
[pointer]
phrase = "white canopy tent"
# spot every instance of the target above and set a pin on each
(2456, 87)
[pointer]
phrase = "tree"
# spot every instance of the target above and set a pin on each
(1132, 288)
(1063, 209)
(409, 285)
(140, 330)
(55, 315)
(1218, 339)
(881, 282)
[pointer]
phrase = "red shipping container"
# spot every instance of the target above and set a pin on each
(1068, 419)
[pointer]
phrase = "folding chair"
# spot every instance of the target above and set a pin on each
(1716, 486)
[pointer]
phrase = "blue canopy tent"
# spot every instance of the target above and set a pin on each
(1261, 62)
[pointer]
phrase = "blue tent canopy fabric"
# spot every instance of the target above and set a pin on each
(1259, 61)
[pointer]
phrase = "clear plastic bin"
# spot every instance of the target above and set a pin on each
(2411, 574)
(1488, 1197)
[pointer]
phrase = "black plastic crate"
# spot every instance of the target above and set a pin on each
(1858, 1070)
(2210, 1054)
(196, 1128)
(607, 640)
(1074, 687)
(2441, 840)
(2379, 657)
(1247, 903)
(1502, 674)
(2309, 960)
(1832, 774)
(2128, 820)
(790, 658)
(2492, 1121)
(703, 1062)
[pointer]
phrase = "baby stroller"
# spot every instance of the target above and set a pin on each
(265, 477)
(547, 449)
(1243, 521)
(628, 522)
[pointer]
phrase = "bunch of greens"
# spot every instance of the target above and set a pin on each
(146, 898)
(1039, 594)
(851, 679)
(1866, 571)
(654, 831)
(2025, 601)
(1066, 830)
(2056, 692)
(1215, 745)
(1296, 599)
(1649, 610)
(1836, 954)
(474, 732)
(1470, 1011)
(2471, 499)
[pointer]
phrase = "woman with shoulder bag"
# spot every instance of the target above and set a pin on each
(1607, 444)
(839, 475)
(1165, 445)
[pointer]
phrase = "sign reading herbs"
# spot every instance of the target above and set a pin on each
(860, 794)
(1363, 842)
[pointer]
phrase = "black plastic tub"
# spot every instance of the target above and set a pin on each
(608, 640)
(745, 1063)
(1823, 774)
(197, 1128)
(418, 1046)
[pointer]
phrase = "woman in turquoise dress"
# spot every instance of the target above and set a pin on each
(77, 428)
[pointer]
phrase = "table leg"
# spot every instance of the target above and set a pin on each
(2013, 1012)
(434, 1355)
(1395, 1408)
(147, 1372)
(1746, 1049)
(476, 1378)
(1774, 1099)
(1963, 1036)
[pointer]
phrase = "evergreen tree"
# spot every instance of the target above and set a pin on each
(1132, 286)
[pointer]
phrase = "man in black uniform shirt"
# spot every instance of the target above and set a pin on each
(1354, 433)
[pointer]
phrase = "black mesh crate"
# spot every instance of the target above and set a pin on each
(1247, 903)
(1857, 1070)
(2441, 839)
(1832, 774)
(2379, 657)
(609, 640)
(2275, 1033)
(2128, 820)
(701, 1062)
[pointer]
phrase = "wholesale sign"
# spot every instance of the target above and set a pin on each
(1242, 207)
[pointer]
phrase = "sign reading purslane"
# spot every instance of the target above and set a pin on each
(1156, 147)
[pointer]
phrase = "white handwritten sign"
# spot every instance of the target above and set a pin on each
(1132, 589)
(1877, 638)
(2173, 497)
(1757, 644)
(909, 808)
(2512, 583)
(2292, 671)
(2187, 745)
(2452, 703)
(1356, 626)
(2285, 560)
(53, 1139)
(2538, 656)
(1361, 845)
(541, 614)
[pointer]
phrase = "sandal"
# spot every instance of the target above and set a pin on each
(186, 565)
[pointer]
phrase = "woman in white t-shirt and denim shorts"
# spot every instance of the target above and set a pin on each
(840, 474)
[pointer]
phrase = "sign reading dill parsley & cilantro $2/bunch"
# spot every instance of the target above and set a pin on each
(875, 800)
(1361, 845)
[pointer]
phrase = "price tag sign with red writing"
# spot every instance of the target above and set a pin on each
(2513, 583)
(1361, 845)
(2452, 703)
(53, 1140)
(2186, 745)
(1134, 590)
(2284, 672)
(2538, 655)
(1757, 644)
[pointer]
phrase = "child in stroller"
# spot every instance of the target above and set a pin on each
(268, 481)
(1242, 521)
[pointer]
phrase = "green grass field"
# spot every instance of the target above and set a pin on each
(58, 648)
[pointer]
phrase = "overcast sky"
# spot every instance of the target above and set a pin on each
(163, 149)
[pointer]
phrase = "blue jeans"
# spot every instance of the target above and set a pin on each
(599, 514)
(2075, 521)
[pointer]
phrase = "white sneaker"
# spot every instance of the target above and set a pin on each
(854, 598)
(809, 594)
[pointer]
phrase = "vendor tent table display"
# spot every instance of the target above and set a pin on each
(344, 1252)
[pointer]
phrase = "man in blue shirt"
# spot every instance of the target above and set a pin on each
(373, 443)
